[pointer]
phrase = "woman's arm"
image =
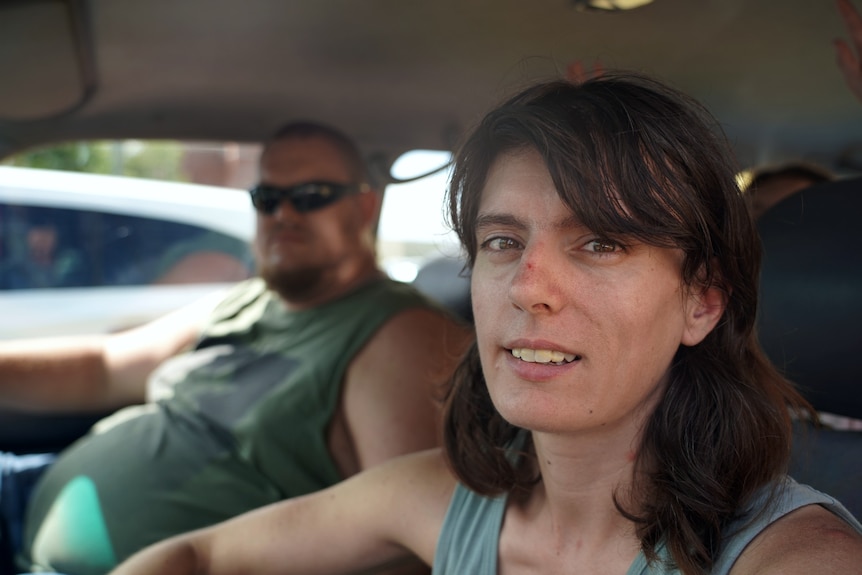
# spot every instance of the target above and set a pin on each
(374, 519)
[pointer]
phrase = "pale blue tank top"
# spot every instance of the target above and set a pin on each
(470, 535)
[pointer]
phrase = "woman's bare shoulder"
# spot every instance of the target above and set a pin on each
(809, 540)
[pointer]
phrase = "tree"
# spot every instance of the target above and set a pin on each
(155, 160)
(71, 156)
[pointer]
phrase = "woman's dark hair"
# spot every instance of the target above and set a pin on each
(634, 158)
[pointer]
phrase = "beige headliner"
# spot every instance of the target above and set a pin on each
(404, 74)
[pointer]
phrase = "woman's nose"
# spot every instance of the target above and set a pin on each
(536, 285)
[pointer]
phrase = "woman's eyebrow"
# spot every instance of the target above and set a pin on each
(569, 223)
(497, 219)
(512, 221)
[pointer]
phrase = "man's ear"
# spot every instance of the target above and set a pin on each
(703, 310)
(369, 207)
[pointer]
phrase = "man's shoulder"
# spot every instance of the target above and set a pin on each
(400, 296)
(416, 333)
(238, 298)
(388, 287)
(242, 294)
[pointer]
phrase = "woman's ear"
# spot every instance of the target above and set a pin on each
(704, 308)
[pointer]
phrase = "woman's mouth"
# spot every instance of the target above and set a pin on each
(546, 356)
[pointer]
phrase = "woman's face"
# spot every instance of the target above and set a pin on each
(575, 331)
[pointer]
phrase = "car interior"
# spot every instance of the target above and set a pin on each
(401, 76)
(810, 281)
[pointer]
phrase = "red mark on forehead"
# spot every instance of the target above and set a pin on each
(529, 265)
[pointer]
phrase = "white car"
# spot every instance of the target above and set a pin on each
(84, 253)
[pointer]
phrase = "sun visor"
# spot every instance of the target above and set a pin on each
(42, 63)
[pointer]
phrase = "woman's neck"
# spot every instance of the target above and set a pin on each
(570, 515)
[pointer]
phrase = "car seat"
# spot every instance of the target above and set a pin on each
(447, 281)
(810, 321)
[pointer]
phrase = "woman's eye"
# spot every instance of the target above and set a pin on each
(500, 244)
(603, 246)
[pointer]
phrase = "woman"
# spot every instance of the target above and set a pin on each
(616, 414)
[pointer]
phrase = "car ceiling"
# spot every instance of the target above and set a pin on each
(401, 75)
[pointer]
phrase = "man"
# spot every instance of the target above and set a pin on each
(46, 263)
(318, 369)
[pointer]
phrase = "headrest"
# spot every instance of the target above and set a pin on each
(447, 281)
(810, 319)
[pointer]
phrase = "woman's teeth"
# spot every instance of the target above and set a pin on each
(543, 356)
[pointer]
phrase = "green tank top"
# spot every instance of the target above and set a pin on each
(237, 423)
(470, 535)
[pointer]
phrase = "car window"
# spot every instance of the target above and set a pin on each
(50, 247)
(95, 243)
(413, 227)
(124, 250)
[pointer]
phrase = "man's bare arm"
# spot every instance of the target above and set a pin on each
(394, 389)
(92, 373)
(392, 398)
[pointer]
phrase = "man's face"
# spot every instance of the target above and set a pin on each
(298, 253)
(42, 240)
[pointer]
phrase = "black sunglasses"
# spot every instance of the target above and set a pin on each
(305, 197)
